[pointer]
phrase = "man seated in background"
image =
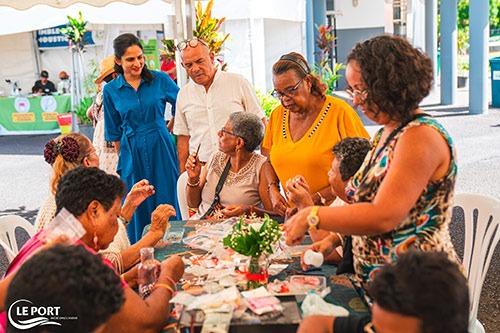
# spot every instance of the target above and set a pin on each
(43, 86)
(422, 292)
(63, 85)
(85, 291)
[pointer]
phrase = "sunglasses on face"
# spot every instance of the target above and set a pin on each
(360, 95)
(288, 92)
(192, 42)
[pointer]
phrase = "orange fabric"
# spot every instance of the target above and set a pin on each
(312, 155)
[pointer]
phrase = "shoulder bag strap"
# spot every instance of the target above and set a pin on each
(220, 184)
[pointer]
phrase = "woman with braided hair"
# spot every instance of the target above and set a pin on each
(71, 150)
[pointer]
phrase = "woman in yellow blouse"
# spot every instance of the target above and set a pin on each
(302, 131)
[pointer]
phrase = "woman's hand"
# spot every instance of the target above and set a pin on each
(159, 218)
(193, 166)
(298, 192)
(172, 267)
(139, 192)
(279, 202)
(235, 210)
(296, 227)
(324, 246)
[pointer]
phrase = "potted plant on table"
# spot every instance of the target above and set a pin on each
(254, 239)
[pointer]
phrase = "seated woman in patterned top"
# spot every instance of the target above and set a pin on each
(403, 192)
(245, 188)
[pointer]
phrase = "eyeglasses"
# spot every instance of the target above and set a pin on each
(223, 130)
(192, 42)
(360, 95)
(288, 92)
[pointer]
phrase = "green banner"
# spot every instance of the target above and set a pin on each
(32, 115)
(150, 47)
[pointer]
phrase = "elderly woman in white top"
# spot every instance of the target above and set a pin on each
(244, 189)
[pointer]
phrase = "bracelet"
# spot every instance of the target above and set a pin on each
(196, 184)
(164, 285)
(271, 184)
(174, 284)
(123, 220)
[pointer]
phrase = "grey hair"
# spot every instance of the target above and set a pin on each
(249, 127)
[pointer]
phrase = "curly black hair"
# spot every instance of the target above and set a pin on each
(82, 185)
(397, 76)
(72, 278)
(425, 285)
(351, 152)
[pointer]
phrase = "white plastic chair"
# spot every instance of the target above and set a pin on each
(181, 195)
(8, 252)
(8, 225)
(482, 233)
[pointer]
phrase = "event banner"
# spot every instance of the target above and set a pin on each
(52, 37)
(33, 115)
(150, 45)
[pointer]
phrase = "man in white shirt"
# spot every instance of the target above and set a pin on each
(205, 103)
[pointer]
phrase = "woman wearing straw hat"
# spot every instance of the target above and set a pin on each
(108, 159)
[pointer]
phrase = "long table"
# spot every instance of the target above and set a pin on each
(32, 115)
(342, 293)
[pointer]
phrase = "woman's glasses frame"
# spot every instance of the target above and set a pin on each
(191, 42)
(288, 92)
(225, 131)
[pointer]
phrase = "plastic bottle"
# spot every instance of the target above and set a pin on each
(146, 272)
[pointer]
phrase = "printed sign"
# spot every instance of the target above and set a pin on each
(48, 104)
(22, 105)
(496, 75)
(52, 37)
(150, 46)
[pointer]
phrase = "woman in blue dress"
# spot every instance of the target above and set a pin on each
(134, 120)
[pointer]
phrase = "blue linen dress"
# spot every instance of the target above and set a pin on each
(147, 151)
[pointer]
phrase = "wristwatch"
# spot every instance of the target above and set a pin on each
(313, 218)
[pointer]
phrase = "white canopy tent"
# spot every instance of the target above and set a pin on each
(261, 30)
(19, 57)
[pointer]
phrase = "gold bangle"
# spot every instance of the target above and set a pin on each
(166, 286)
(196, 184)
(271, 184)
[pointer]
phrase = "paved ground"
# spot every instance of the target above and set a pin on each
(24, 178)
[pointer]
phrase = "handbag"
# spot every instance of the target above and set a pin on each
(216, 205)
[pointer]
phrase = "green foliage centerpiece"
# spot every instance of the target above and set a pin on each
(255, 240)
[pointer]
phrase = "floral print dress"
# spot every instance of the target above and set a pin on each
(426, 225)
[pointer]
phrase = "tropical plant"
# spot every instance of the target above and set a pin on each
(324, 41)
(81, 110)
(75, 31)
(267, 101)
(168, 48)
(207, 29)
